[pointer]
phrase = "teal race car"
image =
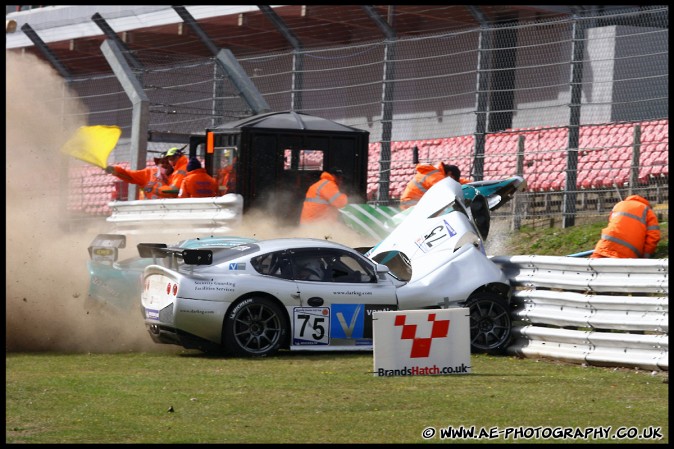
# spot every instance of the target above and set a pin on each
(117, 283)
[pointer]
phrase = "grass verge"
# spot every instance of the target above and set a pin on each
(316, 398)
(561, 242)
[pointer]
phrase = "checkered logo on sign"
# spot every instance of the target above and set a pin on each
(421, 346)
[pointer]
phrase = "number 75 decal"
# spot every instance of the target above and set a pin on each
(435, 236)
(311, 326)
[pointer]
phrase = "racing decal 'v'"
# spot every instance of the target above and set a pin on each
(348, 330)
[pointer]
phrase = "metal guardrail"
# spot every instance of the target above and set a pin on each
(208, 215)
(603, 312)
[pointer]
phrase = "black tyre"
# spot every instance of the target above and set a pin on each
(255, 327)
(490, 324)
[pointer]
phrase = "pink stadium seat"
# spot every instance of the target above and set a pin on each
(662, 134)
(533, 181)
(600, 181)
(622, 176)
(624, 155)
(556, 184)
(660, 158)
(645, 174)
(584, 182)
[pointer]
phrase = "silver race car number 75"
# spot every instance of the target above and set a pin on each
(311, 326)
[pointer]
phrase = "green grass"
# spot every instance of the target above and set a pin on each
(310, 398)
(561, 242)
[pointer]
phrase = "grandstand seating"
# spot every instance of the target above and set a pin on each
(91, 189)
(604, 160)
(604, 156)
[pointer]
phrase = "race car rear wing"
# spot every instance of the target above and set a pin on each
(104, 247)
(162, 251)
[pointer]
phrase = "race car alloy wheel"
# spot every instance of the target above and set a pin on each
(490, 324)
(254, 327)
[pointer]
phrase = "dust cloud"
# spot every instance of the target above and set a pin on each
(46, 272)
(46, 262)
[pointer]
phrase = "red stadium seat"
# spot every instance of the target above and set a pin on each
(583, 180)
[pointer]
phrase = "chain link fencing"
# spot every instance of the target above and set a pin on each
(578, 106)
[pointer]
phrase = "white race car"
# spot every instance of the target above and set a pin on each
(307, 294)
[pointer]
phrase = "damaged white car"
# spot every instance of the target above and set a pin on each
(306, 294)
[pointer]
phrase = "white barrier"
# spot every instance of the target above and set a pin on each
(204, 215)
(604, 312)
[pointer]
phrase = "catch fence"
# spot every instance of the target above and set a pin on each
(578, 106)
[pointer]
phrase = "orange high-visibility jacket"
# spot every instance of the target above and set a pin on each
(176, 179)
(227, 179)
(425, 177)
(322, 200)
(198, 184)
(632, 232)
(150, 179)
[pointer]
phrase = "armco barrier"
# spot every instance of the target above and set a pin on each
(603, 312)
(203, 215)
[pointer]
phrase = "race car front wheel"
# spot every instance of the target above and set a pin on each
(490, 324)
(255, 327)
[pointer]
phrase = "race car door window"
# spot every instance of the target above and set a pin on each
(273, 264)
(337, 276)
(343, 267)
(337, 310)
(331, 266)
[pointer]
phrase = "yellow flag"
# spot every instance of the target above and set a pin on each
(93, 144)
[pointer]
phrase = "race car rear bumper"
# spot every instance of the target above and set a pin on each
(168, 335)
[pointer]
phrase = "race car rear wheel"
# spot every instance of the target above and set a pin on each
(255, 327)
(490, 324)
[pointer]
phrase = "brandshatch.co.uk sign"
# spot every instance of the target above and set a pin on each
(421, 342)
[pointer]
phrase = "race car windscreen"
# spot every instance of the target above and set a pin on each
(454, 206)
(398, 264)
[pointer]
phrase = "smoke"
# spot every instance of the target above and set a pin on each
(46, 262)
(258, 224)
(496, 243)
(47, 278)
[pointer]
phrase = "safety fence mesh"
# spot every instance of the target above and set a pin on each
(578, 106)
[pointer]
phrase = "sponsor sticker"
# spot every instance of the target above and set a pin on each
(435, 236)
(354, 321)
(311, 326)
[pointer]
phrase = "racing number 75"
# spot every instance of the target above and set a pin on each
(316, 325)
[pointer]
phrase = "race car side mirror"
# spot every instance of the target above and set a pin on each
(382, 269)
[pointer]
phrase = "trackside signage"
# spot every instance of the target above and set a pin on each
(421, 342)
